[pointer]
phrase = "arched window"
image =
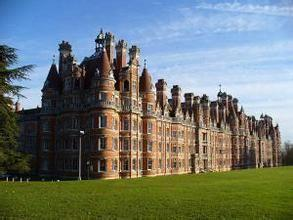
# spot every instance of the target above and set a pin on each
(126, 86)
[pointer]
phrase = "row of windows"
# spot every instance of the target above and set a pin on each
(125, 164)
(73, 144)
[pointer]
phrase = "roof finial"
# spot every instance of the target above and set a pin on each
(53, 60)
(144, 63)
(220, 87)
(101, 31)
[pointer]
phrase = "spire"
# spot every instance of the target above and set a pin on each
(53, 78)
(53, 60)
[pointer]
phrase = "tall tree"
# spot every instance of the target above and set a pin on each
(287, 153)
(11, 160)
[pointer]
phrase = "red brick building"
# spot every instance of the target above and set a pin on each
(131, 127)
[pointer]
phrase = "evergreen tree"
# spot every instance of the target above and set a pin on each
(11, 160)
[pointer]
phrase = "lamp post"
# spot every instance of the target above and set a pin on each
(79, 158)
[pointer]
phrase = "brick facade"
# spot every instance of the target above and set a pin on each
(131, 127)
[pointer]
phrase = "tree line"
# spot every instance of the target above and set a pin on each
(287, 154)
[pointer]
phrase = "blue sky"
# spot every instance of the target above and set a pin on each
(247, 46)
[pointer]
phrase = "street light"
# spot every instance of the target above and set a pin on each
(79, 159)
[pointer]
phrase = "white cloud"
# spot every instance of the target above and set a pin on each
(189, 22)
(275, 10)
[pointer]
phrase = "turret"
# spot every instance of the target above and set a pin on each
(100, 41)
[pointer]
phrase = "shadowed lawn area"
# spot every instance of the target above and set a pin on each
(247, 194)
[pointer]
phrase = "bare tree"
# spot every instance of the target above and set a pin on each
(287, 153)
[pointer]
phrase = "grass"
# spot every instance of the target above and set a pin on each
(246, 194)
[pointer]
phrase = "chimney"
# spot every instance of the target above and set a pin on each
(161, 90)
(121, 49)
(109, 38)
(134, 53)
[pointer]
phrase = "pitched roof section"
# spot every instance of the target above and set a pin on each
(53, 80)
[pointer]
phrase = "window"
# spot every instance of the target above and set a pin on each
(174, 163)
(134, 145)
(160, 146)
(103, 121)
(74, 123)
(174, 149)
(102, 165)
(76, 83)
(150, 164)
(46, 145)
(168, 147)
(126, 86)
(160, 163)
(140, 146)
(174, 133)
(149, 108)
(102, 143)
(205, 137)
(125, 144)
(134, 164)
(168, 132)
(45, 126)
(150, 146)
(150, 127)
(75, 164)
(115, 143)
(125, 164)
(205, 149)
(75, 143)
(114, 164)
(168, 163)
(125, 124)
(102, 96)
(45, 164)
(160, 131)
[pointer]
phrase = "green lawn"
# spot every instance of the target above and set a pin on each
(247, 194)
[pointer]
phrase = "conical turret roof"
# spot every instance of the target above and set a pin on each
(145, 81)
(53, 80)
